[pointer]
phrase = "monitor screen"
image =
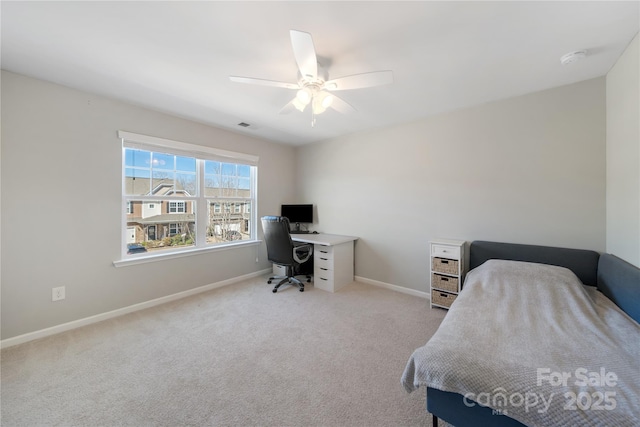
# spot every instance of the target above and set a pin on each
(297, 213)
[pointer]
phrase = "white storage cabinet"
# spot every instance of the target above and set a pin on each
(447, 271)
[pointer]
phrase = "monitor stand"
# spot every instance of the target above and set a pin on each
(297, 230)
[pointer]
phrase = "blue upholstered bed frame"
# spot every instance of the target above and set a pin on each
(617, 279)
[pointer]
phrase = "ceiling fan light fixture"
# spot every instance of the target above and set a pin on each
(304, 96)
(327, 100)
(321, 102)
(299, 105)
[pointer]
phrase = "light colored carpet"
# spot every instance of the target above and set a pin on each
(235, 356)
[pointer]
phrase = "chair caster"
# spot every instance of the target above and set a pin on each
(268, 282)
(301, 289)
(308, 280)
(274, 291)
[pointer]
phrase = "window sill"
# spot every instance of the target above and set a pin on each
(143, 259)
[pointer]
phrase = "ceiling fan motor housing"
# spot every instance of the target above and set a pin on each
(322, 77)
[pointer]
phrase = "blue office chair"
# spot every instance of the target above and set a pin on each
(281, 250)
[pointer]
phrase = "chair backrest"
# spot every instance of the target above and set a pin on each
(279, 243)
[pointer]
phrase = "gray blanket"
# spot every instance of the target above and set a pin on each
(531, 342)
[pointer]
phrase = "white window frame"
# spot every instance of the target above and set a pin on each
(180, 207)
(201, 153)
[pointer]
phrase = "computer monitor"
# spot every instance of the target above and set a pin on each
(297, 214)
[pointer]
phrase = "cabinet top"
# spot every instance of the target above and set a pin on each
(451, 242)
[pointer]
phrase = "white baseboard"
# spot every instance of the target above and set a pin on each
(125, 310)
(396, 288)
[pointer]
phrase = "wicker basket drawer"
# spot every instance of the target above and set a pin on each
(444, 299)
(444, 265)
(444, 283)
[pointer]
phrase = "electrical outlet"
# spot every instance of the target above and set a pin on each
(57, 294)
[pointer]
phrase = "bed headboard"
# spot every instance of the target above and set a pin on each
(620, 282)
(583, 263)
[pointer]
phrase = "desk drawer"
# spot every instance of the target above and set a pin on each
(323, 251)
(324, 282)
(323, 263)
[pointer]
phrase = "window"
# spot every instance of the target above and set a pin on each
(177, 207)
(174, 229)
(192, 197)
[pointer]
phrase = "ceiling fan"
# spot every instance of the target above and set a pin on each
(314, 87)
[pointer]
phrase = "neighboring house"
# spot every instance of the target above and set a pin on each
(151, 221)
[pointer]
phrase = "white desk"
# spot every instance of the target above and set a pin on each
(332, 259)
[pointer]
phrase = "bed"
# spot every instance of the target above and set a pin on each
(539, 336)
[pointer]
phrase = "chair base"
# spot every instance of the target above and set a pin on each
(288, 279)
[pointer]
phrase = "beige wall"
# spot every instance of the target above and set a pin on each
(623, 156)
(529, 169)
(61, 205)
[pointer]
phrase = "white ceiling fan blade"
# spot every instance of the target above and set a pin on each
(263, 82)
(305, 54)
(341, 105)
(358, 81)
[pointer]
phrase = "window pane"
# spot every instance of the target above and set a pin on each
(186, 182)
(186, 164)
(137, 172)
(151, 229)
(161, 161)
(211, 167)
(228, 222)
(162, 183)
(136, 182)
(244, 184)
(229, 169)
(137, 158)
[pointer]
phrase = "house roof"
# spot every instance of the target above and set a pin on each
(141, 187)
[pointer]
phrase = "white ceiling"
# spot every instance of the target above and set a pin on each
(176, 57)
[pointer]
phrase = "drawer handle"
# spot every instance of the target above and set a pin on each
(322, 278)
(444, 261)
(325, 269)
(444, 279)
(324, 259)
(324, 252)
(444, 295)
